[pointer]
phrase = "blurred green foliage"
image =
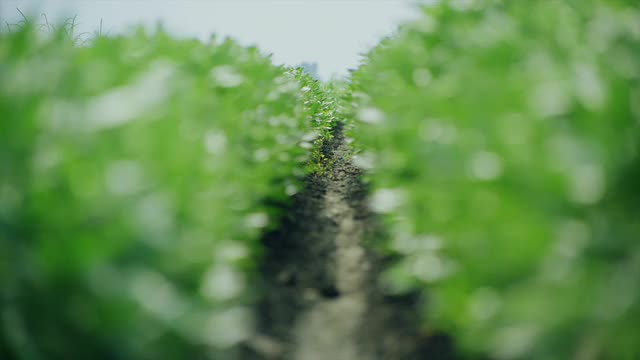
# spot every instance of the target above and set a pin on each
(136, 175)
(502, 141)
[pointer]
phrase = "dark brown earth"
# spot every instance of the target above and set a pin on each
(321, 301)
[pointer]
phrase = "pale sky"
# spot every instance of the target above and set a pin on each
(330, 32)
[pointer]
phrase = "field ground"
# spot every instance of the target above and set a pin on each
(321, 299)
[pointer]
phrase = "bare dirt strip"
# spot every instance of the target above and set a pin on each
(321, 299)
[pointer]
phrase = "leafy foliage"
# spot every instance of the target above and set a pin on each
(136, 174)
(322, 103)
(502, 138)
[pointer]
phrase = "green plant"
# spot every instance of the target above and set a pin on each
(503, 138)
(137, 173)
(321, 105)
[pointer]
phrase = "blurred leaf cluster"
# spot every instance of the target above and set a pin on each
(502, 139)
(136, 174)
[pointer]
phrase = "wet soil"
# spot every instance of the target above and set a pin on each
(321, 299)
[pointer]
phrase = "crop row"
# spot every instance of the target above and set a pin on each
(137, 173)
(502, 142)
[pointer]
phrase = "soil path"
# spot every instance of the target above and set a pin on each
(321, 300)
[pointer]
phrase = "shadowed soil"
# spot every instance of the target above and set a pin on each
(320, 299)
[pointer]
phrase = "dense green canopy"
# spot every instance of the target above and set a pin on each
(136, 174)
(500, 139)
(503, 138)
